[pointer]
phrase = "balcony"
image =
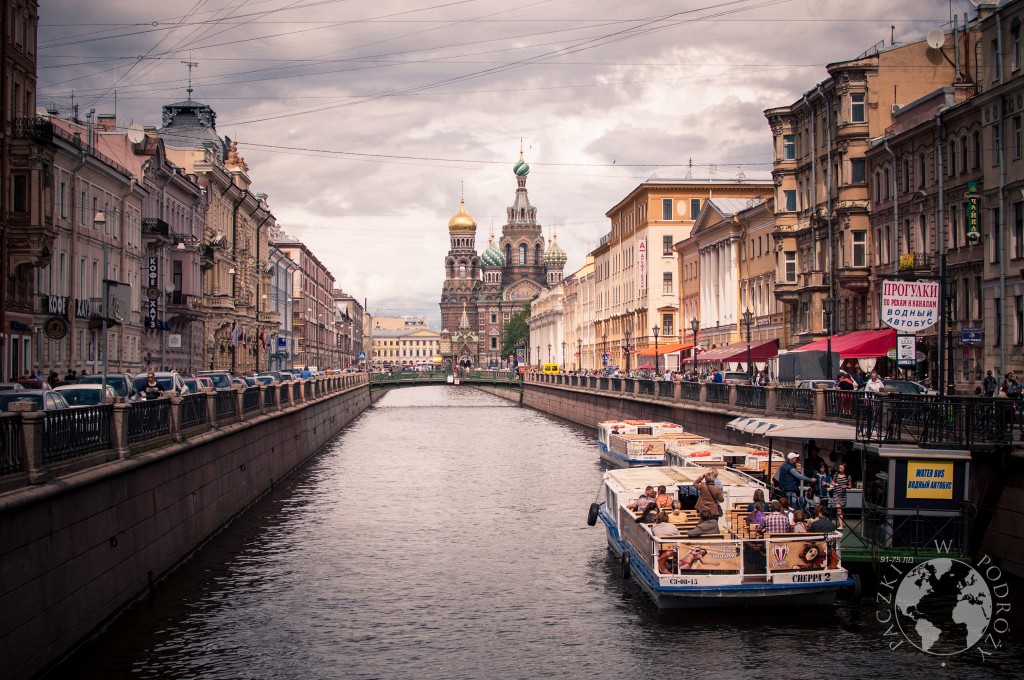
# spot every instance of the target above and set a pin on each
(220, 302)
(269, 317)
(33, 128)
(915, 263)
(155, 226)
(855, 279)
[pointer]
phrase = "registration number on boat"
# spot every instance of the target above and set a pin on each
(820, 577)
(683, 581)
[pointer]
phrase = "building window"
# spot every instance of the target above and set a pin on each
(522, 253)
(1018, 229)
(19, 204)
(997, 62)
(886, 185)
(858, 174)
(1015, 43)
(666, 245)
(906, 175)
(494, 318)
(694, 208)
(857, 107)
(997, 145)
(790, 266)
(1016, 137)
(921, 171)
(1018, 314)
(666, 283)
(998, 320)
(977, 150)
(788, 147)
(494, 343)
(994, 236)
(860, 249)
(667, 325)
(790, 195)
(952, 158)
(666, 208)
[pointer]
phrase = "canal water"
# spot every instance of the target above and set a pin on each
(443, 535)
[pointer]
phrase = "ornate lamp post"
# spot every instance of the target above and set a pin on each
(748, 318)
(604, 346)
(549, 352)
(538, 357)
(656, 330)
(695, 325)
(579, 353)
(563, 355)
(826, 309)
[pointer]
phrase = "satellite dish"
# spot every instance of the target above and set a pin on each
(936, 38)
(136, 134)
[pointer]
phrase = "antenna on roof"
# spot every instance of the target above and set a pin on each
(689, 169)
(191, 65)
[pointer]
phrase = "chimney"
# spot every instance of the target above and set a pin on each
(106, 122)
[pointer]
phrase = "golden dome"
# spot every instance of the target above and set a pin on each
(462, 221)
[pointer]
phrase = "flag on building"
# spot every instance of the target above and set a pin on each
(234, 335)
(263, 340)
(244, 341)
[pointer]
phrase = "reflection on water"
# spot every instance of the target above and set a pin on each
(443, 535)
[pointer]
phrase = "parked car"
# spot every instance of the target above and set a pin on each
(45, 400)
(815, 384)
(205, 384)
(248, 380)
(7, 387)
(122, 383)
(170, 382)
(735, 378)
(276, 375)
(267, 380)
(288, 376)
(221, 379)
(33, 384)
(895, 386)
(87, 394)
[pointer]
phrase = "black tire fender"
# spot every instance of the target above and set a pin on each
(625, 563)
(595, 508)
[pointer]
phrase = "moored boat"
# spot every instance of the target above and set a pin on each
(736, 567)
(631, 443)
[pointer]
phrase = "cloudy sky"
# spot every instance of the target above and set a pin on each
(361, 119)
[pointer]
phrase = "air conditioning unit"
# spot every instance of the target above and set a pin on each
(895, 108)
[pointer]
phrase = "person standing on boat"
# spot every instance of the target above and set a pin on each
(711, 495)
(789, 478)
(840, 483)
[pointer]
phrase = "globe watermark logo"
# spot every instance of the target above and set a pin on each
(945, 606)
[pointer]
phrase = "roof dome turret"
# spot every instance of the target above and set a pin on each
(493, 257)
(554, 256)
(462, 222)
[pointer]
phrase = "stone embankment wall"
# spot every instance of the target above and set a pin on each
(77, 550)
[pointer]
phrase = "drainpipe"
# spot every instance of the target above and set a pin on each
(828, 204)
(72, 263)
(940, 235)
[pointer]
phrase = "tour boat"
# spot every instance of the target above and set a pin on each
(630, 443)
(737, 567)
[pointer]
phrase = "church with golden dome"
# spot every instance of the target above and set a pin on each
(481, 292)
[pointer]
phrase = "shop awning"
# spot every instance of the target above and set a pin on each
(785, 428)
(666, 349)
(857, 345)
(762, 350)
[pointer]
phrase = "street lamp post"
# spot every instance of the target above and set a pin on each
(748, 318)
(604, 346)
(695, 325)
(579, 353)
(656, 330)
(538, 357)
(826, 308)
(627, 333)
(549, 352)
(563, 355)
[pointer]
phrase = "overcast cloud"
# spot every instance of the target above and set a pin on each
(360, 119)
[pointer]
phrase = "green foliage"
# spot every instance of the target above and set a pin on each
(516, 331)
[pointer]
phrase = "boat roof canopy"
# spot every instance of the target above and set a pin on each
(784, 428)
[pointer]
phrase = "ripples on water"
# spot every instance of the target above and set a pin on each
(443, 535)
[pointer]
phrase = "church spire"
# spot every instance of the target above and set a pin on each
(464, 321)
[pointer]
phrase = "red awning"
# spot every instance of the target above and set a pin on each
(665, 349)
(857, 345)
(762, 350)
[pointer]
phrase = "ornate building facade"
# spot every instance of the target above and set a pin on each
(488, 289)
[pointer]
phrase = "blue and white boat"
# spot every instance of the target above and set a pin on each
(736, 567)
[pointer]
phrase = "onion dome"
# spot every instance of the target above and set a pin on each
(554, 256)
(493, 257)
(462, 222)
(522, 169)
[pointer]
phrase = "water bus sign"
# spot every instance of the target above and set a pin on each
(910, 306)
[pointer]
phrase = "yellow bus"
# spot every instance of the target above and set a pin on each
(550, 369)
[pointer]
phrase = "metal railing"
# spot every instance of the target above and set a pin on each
(689, 390)
(10, 444)
(149, 419)
(193, 411)
(932, 421)
(286, 395)
(251, 400)
(750, 396)
(227, 404)
(840, 404)
(666, 389)
(646, 387)
(75, 432)
(794, 400)
(717, 393)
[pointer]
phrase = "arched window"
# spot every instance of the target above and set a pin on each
(536, 254)
(522, 253)
(462, 270)
(508, 253)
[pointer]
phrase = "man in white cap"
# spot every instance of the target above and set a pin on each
(790, 478)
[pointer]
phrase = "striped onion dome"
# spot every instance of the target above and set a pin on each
(554, 256)
(493, 256)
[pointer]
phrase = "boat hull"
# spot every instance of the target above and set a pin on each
(758, 594)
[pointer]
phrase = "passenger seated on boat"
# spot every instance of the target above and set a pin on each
(649, 515)
(757, 516)
(822, 524)
(645, 500)
(786, 510)
(662, 527)
(677, 516)
(775, 522)
(708, 525)
(758, 498)
(663, 500)
(799, 522)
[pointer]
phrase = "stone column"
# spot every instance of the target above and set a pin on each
(239, 401)
(119, 430)
(677, 390)
(263, 397)
(277, 397)
(703, 393)
(32, 445)
(211, 409)
(819, 403)
(732, 396)
(175, 419)
(770, 400)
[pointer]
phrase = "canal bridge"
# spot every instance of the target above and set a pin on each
(391, 379)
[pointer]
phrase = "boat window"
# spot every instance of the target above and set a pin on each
(645, 430)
